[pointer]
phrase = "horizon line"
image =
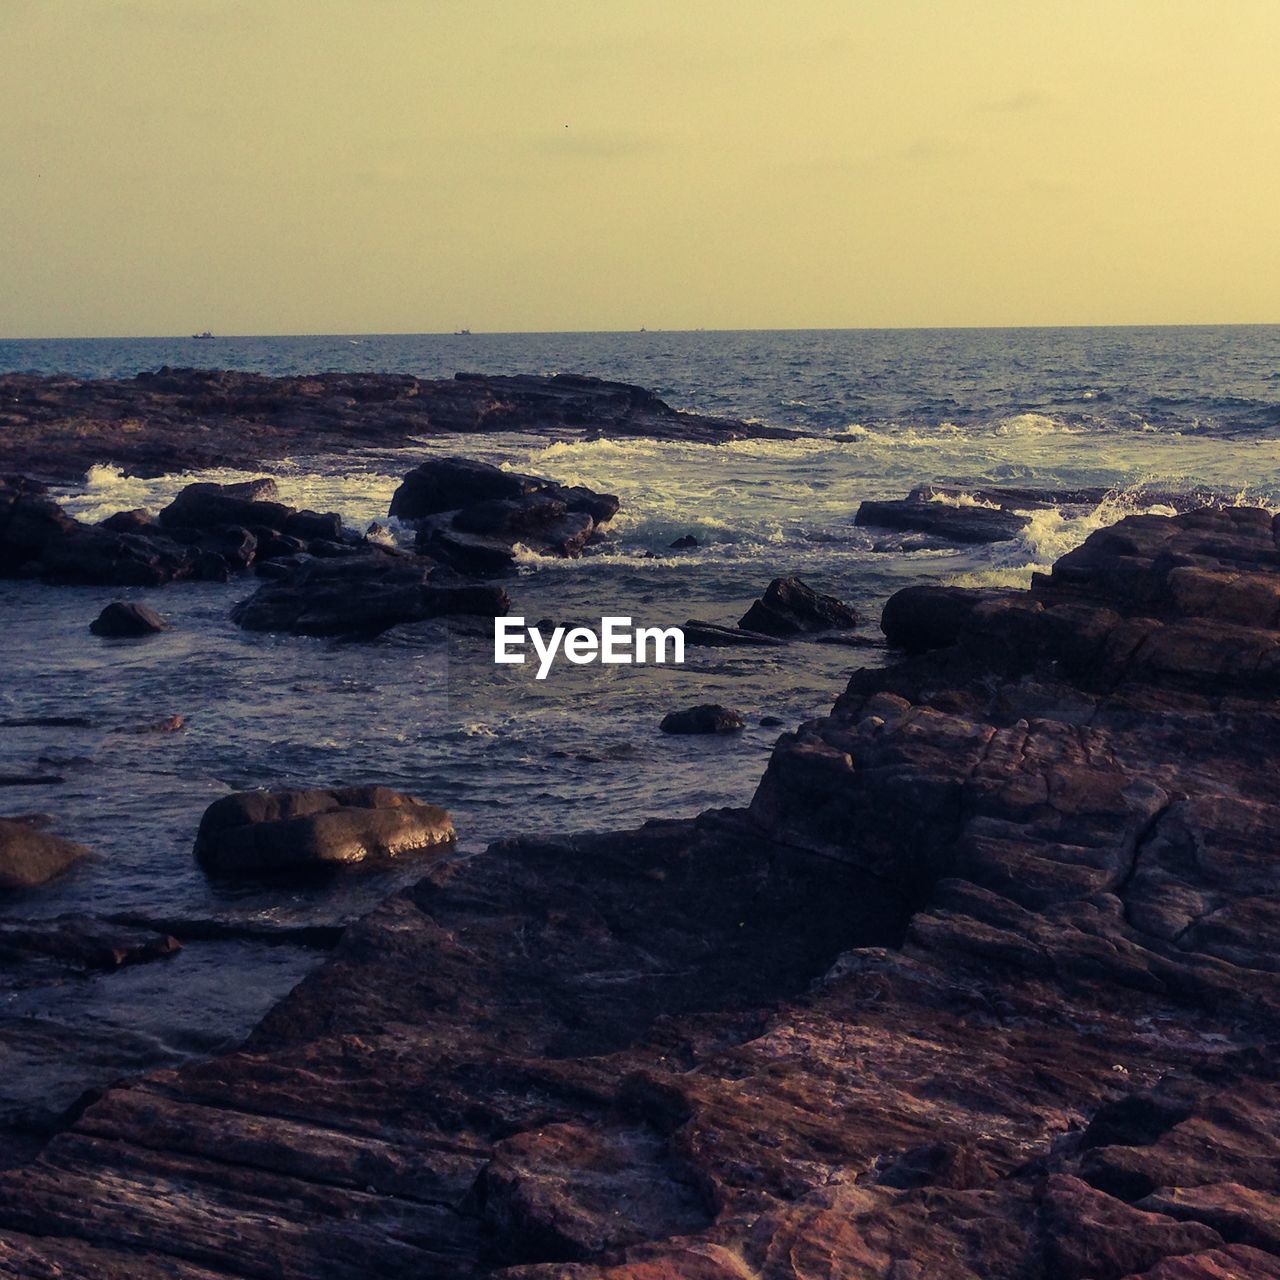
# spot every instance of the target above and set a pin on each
(530, 333)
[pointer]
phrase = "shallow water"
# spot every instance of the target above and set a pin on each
(1179, 410)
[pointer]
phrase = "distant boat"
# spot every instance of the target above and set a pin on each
(462, 333)
(206, 336)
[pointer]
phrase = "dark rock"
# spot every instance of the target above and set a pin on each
(128, 618)
(361, 596)
(713, 635)
(209, 506)
(771, 722)
(447, 484)
(685, 543)
(174, 420)
(266, 833)
(81, 943)
(139, 520)
(30, 857)
(789, 608)
(921, 618)
(472, 516)
(707, 718)
(309, 525)
(956, 523)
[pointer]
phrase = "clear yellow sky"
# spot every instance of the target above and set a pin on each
(311, 166)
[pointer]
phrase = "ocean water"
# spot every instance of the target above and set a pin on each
(1145, 413)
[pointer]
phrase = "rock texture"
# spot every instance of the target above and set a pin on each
(362, 597)
(271, 833)
(710, 717)
(175, 420)
(983, 986)
(473, 516)
(127, 619)
(946, 520)
(30, 857)
(790, 608)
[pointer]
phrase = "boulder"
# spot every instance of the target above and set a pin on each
(81, 943)
(269, 833)
(362, 596)
(472, 516)
(684, 543)
(31, 857)
(208, 506)
(128, 618)
(707, 718)
(944, 519)
(789, 608)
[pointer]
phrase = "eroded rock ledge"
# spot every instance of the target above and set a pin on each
(55, 428)
(984, 984)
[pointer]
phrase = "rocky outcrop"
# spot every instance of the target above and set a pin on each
(80, 944)
(971, 522)
(30, 857)
(272, 833)
(175, 420)
(983, 986)
(363, 597)
(208, 532)
(473, 516)
(124, 618)
(710, 717)
(790, 608)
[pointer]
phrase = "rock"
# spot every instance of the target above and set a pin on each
(211, 506)
(713, 635)
(917, 619)
(707, 718)
(128, 618)
(789, 608)
(81, 943)
(265, 833)
(684, 543)
(956, 523)
(139, 520)
(30, 857)
(771, 722)
(173, 420)
(449, 484)
(473, 516)
(361, 596)
(983, 983)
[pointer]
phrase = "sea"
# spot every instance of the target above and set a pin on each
(1151, 416)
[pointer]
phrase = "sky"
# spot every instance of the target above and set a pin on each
(357, 166)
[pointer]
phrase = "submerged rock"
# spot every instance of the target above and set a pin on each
(943, 519)
(81, 943)
(128, 618)
(789, 608)
(707, 718)
(714, 635)
(271, 833)
(30, 857)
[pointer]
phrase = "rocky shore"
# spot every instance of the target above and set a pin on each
(54, 428)
(983, 984)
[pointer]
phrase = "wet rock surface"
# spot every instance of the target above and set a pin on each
(710, 717)
(171, 420)
(474, 516)
(30, 856)
(275, 833)
(362, 597)
(790, 608)
(124, 618)
(969, 523)
(983, 985)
